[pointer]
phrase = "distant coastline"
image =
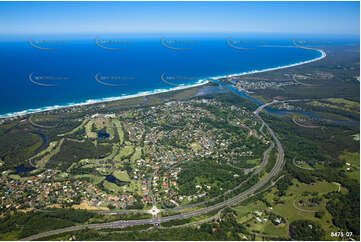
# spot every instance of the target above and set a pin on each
(323, 55)
(154, 92)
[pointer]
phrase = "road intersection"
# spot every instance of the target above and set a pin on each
(155, 220)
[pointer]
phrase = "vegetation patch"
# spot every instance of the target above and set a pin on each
(306, 230)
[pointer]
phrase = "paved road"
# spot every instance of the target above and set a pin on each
(176, 209)
(300, 83)
(154, 203)
(305, 168)
(258, 169)
(300, 209)
(243, 195)
(304, 126)
(260, 108)
(38, 125)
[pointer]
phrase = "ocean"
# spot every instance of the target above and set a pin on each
(47, 72)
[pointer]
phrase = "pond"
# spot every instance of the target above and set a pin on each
(22, 170)
(103, 135)
(113, 179)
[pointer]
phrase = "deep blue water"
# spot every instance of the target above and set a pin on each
(278, 112)
(113, 179)
(103, 135)
(136, 68)
(22, 170)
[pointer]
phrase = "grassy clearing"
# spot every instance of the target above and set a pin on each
(338, 103)
(47, 157)
(111, 187)
(137, 154)
(88, 130)
(109, 128)
(124, 152)
(76, 129)
(246, 215)
(261, 98)
(244, 210)
(322, 187)
(115, 150)
(17, 177)
(196, 146)
(166, 214)
(121, 176)
(153, 100)
(184, 93)
(332, 116)
(254, 161)
(356, 137)
(346, 103)
(93, 178)
(86, 206)
(304, 165)
(267, 228)
(132, 187)
(284, 206)
(353, 159)
(130, 101)
(119, 129)
(51, 146)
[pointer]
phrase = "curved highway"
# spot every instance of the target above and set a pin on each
(243, 195)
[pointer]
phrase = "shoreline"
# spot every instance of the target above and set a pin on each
(323, 55)
(101, 100)
(200, 82)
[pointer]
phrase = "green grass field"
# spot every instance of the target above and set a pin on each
(124, 152)
(137, 154)
(76, 129)
(48, 156)
(338, 103)
(346, 103)
(119, 128)
(94, 179)
(284, 206)
(354, 160)
(50, 147)
(246, 216)
(111, 187)
(121, 175)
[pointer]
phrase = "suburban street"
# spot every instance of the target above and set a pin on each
(249, 192)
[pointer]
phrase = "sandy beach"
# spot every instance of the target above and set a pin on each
(157, 91)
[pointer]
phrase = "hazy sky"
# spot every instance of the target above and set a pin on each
(119, 17)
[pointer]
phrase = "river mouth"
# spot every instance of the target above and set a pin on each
(284, 113)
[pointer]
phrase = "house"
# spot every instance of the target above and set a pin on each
(278, 220)
(258, 213)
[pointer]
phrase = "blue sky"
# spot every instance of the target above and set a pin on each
(201, 17)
